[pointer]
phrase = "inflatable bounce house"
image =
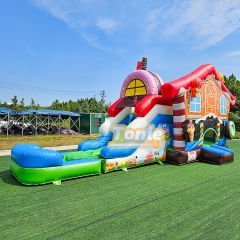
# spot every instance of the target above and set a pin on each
(181, 121)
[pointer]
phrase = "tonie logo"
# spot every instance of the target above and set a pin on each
(149, 137)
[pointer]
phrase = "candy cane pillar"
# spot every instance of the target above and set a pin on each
(201, 135)
(178, 120)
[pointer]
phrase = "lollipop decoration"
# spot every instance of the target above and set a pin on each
(139, 65)
(196, 84)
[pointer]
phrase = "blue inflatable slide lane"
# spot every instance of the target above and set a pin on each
(217, 154)
(125, 152)
(103, 140)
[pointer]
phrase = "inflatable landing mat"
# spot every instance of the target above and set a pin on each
(217, 154)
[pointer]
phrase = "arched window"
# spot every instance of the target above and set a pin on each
(223, 105)
(195, 104)
(136, 88)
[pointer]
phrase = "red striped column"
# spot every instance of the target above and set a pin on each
(178, 120)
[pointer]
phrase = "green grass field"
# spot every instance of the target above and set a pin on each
(54, 140)
(195, 201)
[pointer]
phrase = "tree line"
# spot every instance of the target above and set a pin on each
(87, 105)
(233, 86)
(90, 105)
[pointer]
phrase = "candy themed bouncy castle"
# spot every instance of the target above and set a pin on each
(191, 111)
(181, 121)
(201, 104)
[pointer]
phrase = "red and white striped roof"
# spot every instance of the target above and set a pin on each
(181, 85)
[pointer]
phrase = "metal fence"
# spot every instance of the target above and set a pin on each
(36, 124)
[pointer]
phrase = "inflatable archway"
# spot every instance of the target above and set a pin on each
(208, 138)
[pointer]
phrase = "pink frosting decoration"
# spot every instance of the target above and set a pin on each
(143, 75)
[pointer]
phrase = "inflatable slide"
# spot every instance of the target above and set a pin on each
(182, 121)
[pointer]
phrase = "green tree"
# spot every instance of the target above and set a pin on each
(4, 105)
(233, 86)
(14, 104)
(85, 107)
(32, 104)
(107, 106)
(73, 106)
(101, 107)
(56, 105)
(236, 119)
(80, 101)
(38, 106)
(66, 106)
(21, 105)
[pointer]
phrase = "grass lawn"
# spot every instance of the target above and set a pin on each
(195, 201)
(6, 143)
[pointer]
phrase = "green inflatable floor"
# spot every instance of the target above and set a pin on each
(82, 154)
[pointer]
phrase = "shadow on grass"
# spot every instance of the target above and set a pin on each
(8, 178)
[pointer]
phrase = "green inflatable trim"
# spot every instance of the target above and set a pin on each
(82, 155)
(36, 176)
(232, 130)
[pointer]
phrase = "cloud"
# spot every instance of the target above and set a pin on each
(195, 24)
(232, 54)
(75, 13)
(84, 16)
(78, 13)
(94, 42)
(106, 24)
(203, 22)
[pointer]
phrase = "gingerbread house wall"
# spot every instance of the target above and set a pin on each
(210, 100)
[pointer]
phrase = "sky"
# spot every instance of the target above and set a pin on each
(72, 49)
